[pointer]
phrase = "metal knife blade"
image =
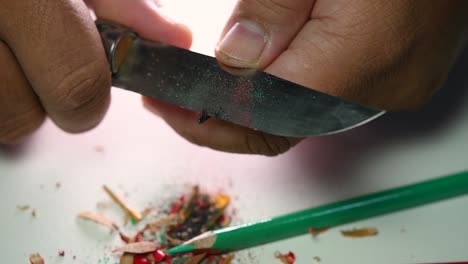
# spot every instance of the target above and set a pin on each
(197, 82)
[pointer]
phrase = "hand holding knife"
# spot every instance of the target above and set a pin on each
(198, 83)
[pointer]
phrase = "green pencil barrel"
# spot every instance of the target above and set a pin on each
(342, 212)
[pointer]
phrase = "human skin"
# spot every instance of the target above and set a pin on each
(391, 55)
(52, 62)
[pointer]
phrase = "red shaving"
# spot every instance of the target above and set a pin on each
(138, 259)
(61, 253)
(158, 255)
(288, 258)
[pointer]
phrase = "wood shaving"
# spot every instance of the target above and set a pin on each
(36, 259)
(138, 247)
(173, 241)
(119, 200)
(196, 259)
(23, 207)
(222, 201)
(146, 212)
(228, 259)
(99, 219)
(361, 232)
(126, 259)
(170, 220)
(103, 205)
(34, 213)
(317, 258)
(316, 232)
(288, 258)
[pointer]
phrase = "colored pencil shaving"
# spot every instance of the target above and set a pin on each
(120, 201)
(36, 259)
(361, 232)
(186, 218)
(288, 258)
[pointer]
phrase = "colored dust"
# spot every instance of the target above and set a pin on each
(186, 217)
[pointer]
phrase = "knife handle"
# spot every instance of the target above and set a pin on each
(117, 41)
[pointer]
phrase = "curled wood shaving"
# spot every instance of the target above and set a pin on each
(36, 259)
(99, 219)
(120, 201)
(138, 247)
(361, 232)
(196, 259)
(126, 259)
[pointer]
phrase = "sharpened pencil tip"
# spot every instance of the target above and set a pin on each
(181, 249)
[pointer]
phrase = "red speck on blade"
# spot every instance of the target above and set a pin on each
(61, 253)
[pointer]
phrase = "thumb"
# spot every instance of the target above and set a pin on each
(258, 31)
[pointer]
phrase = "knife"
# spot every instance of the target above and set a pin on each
(197, 82)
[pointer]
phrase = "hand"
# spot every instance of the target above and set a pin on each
(391, 55)
(52, 61)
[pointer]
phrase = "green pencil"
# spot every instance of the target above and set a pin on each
(334, 214)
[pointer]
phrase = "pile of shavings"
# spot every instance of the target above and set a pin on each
(186, 217)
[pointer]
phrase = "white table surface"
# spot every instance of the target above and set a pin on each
(143, 157)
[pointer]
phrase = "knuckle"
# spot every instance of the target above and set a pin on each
(82, 88)
(16, 126)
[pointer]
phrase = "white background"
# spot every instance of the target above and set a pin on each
(144, 158)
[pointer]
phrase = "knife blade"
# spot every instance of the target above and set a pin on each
(197, 82)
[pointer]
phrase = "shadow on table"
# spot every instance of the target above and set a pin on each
(335, 159)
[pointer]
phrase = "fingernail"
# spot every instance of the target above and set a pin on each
(243, 44)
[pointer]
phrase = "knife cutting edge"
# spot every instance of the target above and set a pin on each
(197, 82)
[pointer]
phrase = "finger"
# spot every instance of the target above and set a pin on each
(259, 30)
(379, 54)
(143, 17)
(60, 51)
(218, 134)
(20, 110)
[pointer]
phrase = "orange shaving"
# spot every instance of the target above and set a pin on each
(120, 201)
(222, 201)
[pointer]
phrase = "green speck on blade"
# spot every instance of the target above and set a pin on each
(133, 221)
